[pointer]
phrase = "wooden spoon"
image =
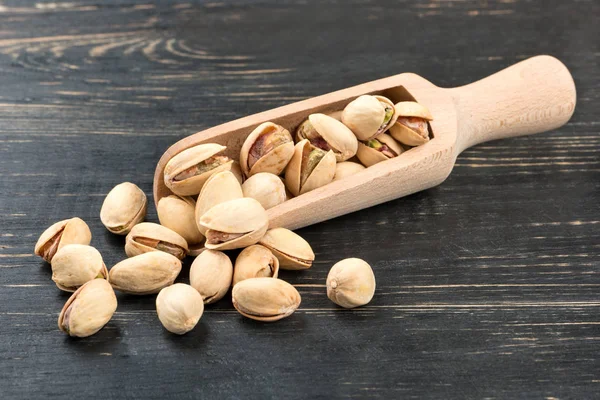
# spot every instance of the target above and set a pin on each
(533, 96)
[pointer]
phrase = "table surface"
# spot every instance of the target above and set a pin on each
(487, 285)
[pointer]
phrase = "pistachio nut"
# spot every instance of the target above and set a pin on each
(327, 133)
(124, 206)
(268, 148)
(309, 168)
(266, 188)
(146, 273)
(219, 188)
(179, 308)
(210, 275)
(76, 264)
(411, 127)
(347, 168)
(382, 148)
(351, 283)
(292, 251)
(368, 116)
(265, 299)
(236, 170)
(149, 236)
(255, 261)
(234, 224)
(60, 234)
(186, 172)
(178, 214)
(88, 309)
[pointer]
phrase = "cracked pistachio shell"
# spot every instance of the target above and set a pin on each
(88, 309)
(292, 251)
(60, 234)
(178, 214)
(351, 283)
(309, 168)
(76, 264)
(266, 188)
(268, 148)
(411, 126)
(146, 273)
(347, 168)
(234, 224)
(179, 308)
(219, 188)
(366, 116)
(211, 274)
(186, 172)
(149, 236)
(327, 133)
(371, 156)
(265, 299)
(124, 206)
(255, 261)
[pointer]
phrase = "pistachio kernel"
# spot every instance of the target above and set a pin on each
(418, 125)
(161, 245)
(202, 167)
(308, 131)
(381, 147)
(266, 142)
(310, 160)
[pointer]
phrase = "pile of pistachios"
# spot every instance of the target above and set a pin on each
(219, 204)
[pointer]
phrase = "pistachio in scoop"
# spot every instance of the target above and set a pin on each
(148, 236)
(369, 116)
(309, 168)
(411, 127)
(268, 148)
(186, 172)
(327, 133)
(382, 148)
(60, 234)
(234, 224)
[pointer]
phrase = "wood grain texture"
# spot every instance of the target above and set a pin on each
(487, 284)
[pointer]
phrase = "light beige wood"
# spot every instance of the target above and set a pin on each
(533, 96)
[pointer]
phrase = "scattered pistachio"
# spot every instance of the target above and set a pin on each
(255, 261)
(124, 206)
(76, 264)
(179, 308)
(351, 283)
(265, 299)
(60, 234)
(211, 274)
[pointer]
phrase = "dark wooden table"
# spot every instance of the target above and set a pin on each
(487, 286)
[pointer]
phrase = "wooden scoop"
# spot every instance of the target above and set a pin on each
(533, 96)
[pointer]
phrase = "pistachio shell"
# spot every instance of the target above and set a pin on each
(124, 206)
(351, 283)
(328, 133)
(236, 170)
(146, 273)
(321, 175)
(179, 308)
(76, 264)
(412, 109)
(364, 116)
(275, 148)
(234, 224)
(292, 251)
(88, 309)
(390, 104)
(210, 275)
(411, 113)
(179, 172)
(60, 234)
(266, 188)
(219, 188)
(149, 236)
(370, 156)
(255, 261)
(265, 299)
(178, 214)
(347, 168)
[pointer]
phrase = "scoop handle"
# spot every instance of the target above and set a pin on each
(532, 96)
